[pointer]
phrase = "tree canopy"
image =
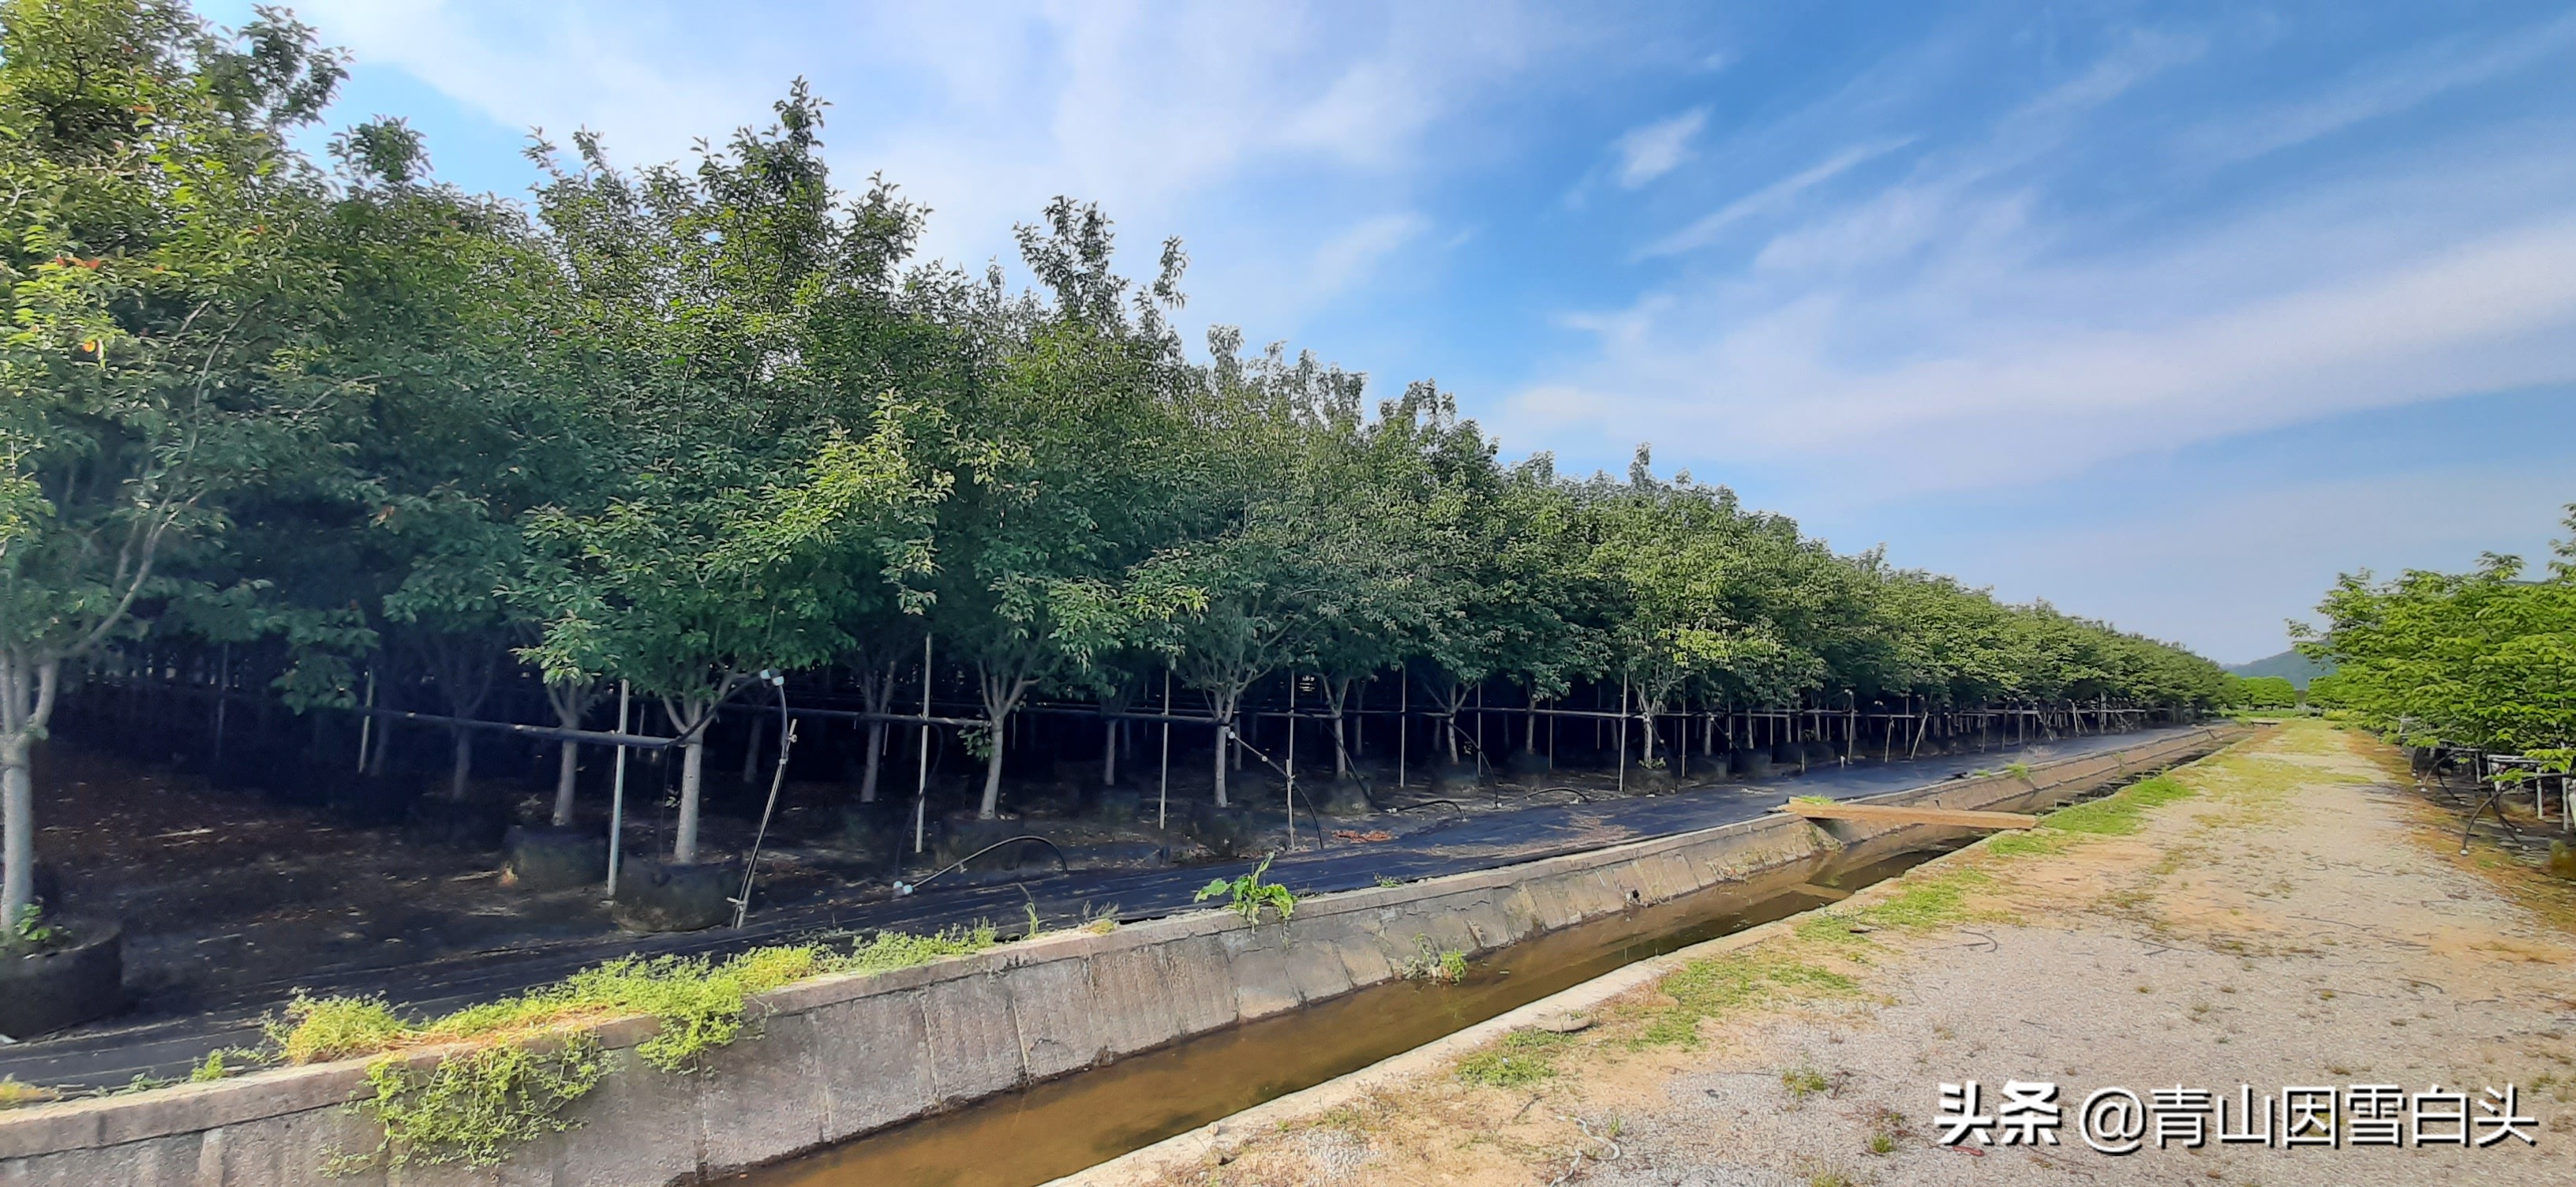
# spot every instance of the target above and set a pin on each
(2485, 658)
(679, 424)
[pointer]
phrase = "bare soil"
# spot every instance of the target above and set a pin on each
(2305, 918)
(224, 891)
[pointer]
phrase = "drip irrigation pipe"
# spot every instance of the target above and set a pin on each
(1061, 865)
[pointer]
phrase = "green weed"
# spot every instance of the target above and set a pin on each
(1708, 988)
(891, 950)
(1520, 1058)
(222, 1062)
(320, 1030)
(1249, 894)
(2120, 813)
(1923, 904)
(476, 1106)
(1444, 966)
(15, 1093)
(29, 929)
(1804, 1081)
(518, 1062)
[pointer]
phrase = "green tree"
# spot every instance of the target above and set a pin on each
(2485, 658)
(1070, 472)
(767, 512)
(160, 319)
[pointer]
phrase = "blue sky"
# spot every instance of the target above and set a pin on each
(2166, 313)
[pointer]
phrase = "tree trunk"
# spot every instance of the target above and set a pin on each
(687, 716)
(18, 812)
(1453, 701)
(877, 690)
(693, 763)
(1338, 691)
(992, 803)
(568, 709)
(1222, 705)
(376, 757)
(1109, 752)
(463, 668)
(567, 765)
(1223, 737)
(875, 759)
(1002, 694)
(751, 749)
(24, 712)
(464, 769)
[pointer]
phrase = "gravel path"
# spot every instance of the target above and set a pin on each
(2299, 921)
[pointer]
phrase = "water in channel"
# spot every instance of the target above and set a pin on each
(1048, 1130)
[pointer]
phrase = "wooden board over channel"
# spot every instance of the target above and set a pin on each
(1901, 814)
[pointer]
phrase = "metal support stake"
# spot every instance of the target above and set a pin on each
(1623, 734)
(921, 779)
(1292, 766)
(367, 724)
(1163, 782)
(617, 788)
(223, 698)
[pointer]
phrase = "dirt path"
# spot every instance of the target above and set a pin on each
(2280, 915)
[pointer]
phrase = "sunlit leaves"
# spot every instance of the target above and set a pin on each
(2485, 658)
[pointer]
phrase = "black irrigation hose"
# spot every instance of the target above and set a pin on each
(1453, 805)
(1061, 865)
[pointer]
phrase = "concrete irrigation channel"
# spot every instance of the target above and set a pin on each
(1558, 895)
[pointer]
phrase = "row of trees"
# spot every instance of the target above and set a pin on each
(679, 425)
(2261, 692)
(2485, 658)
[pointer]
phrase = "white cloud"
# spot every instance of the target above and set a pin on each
(1770, 199)
(1172, 116)
(2376, 89)
(1348, 258)
(1651, 151)
(1963, 327)
(1927, 398)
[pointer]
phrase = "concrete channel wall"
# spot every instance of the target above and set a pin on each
(837, 1057)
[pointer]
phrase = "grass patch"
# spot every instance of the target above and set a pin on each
(1520, 1058)
(320, 1030)
(2120, 813)
(891, 950)
(15, 1093)
(2027, 844)
(514, 1065)
(1735, 981)
(223, 1062)
(1804, 1081)
(1887, 1127)
(1922, 904)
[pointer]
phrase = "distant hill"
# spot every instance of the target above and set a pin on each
(2296, 668)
